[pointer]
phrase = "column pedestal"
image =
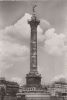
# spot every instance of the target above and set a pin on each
(33, 79)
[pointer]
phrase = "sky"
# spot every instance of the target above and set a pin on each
(15, 39)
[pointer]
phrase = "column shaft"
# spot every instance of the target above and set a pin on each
(33, 49)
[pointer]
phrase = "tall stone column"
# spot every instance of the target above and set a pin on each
(33, 78)
(33, 44)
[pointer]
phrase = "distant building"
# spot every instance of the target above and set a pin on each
(9, 87)
(59, 89)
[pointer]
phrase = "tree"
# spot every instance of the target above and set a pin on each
(2, 92)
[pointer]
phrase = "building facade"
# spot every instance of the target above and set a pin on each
(58, 89)
(8, 89)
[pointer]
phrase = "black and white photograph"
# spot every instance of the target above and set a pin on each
(33, 49)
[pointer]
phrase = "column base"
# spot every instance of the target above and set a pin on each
(33, 79)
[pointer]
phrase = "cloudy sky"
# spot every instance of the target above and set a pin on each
(15, 38)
